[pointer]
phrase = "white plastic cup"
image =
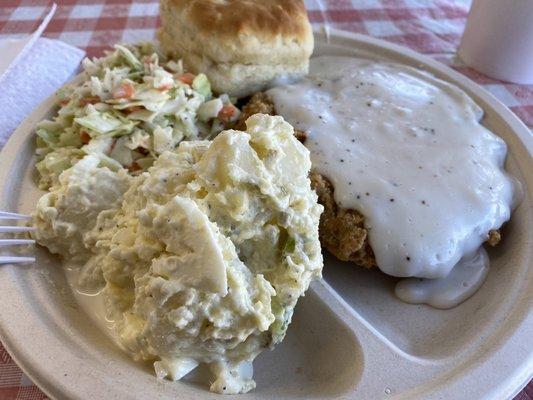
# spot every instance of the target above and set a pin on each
(498, 39)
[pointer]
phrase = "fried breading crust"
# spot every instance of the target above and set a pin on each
(260, 103)
(494, 237)
(342, 231)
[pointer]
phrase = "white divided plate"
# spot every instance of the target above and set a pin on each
(350, 337)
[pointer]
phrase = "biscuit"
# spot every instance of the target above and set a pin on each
(241, 45)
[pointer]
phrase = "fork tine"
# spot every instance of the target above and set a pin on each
(9, 242)
(16, 260)
(10, 215)
(13, 229)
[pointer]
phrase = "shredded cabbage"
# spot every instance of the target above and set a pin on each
(132, 105)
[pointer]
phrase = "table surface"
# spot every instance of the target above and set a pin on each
(432, 27)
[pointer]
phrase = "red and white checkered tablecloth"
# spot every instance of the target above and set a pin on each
(432, 27)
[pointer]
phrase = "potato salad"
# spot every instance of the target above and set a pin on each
(200, 259)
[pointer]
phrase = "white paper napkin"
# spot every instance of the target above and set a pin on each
(13, 50)
(36, 70)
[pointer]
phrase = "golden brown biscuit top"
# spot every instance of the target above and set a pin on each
(261, 18)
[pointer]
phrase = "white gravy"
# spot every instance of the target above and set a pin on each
(407, 151)
(462, 282)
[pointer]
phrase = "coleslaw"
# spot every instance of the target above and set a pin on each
(132, 105)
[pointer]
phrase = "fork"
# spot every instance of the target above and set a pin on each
(13, 242)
